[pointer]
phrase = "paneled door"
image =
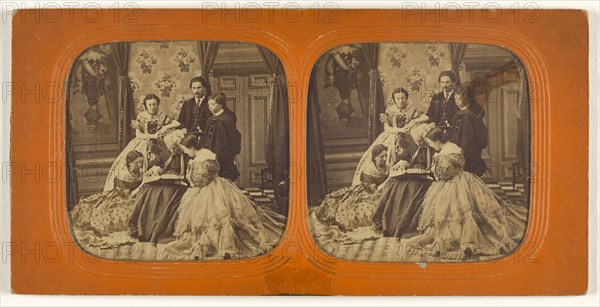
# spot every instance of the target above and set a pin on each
(249, 97)
(501, 120)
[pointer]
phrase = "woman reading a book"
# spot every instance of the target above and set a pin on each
(157, 201)
(399, 207)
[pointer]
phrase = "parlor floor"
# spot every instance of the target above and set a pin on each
(376, 249)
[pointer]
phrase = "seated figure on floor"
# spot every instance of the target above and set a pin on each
(462, 217)
(344, 214)
(107, 213)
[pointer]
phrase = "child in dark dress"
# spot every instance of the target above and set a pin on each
(469, 132)
(222, 136)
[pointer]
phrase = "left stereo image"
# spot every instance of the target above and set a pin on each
(177, 150)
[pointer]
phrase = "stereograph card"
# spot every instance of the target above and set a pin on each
(304, 152)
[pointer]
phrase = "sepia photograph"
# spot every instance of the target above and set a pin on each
(320, 149)
(418, 152)
(177, 150)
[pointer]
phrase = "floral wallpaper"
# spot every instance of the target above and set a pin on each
(164, 69)
(413, 66)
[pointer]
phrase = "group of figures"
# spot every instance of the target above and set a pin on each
(173, 185)
(420, 182)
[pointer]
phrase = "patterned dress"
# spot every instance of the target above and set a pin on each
(395, 118)
(345, 214)
(462, 216)
(148, 124)
(102, 215)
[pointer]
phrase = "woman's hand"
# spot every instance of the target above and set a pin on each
(371, 187)
(153, 171)
(162, 130)
(383, 117)
(400, 165)
(401, 130)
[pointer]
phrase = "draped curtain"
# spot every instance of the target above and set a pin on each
(524, 127)
(71, 172)
(208, 54)
(125, 98)
(376, 100)
(277, 119)
(316, 175)
(457, 53)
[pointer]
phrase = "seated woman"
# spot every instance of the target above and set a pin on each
(149, 126)
(157, 201)
(107, 214)
(216, 219)
(462, 217)
(397, 120)
(346, 215)
(399, 207)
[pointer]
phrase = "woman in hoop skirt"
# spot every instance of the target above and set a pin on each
(100, 218)
(462, 218)
(346, 215)
(155, 213)
(149, 126)
(398, 119)
(217, 220)
(399, 207)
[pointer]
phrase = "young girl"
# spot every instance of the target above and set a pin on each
(217, 221)
(461, 216)
(398, 119)
(149, 126)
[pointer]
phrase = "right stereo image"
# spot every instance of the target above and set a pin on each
(418, 152)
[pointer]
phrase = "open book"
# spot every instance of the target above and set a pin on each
(154, 174)
(154, 178)
(402, 168)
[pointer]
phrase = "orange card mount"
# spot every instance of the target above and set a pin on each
(306, 93)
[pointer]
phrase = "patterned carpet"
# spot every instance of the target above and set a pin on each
(136, 251)
(505, 190)
(376, 250)
(265, 199)
(385, 249)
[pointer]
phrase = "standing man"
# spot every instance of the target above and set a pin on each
(443, 105)
(194, 112)
(222, 136)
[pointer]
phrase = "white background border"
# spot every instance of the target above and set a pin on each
(591, 299)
